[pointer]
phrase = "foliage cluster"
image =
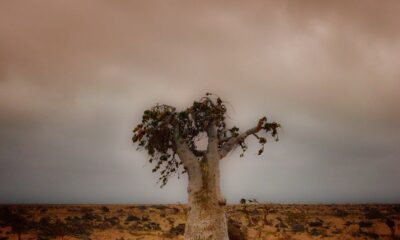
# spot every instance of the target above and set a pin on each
(162, 127)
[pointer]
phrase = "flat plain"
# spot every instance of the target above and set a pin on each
(255, 221)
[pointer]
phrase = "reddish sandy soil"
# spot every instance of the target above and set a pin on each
(256, 221)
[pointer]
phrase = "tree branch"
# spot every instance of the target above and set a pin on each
(188, 158)
(232, 142)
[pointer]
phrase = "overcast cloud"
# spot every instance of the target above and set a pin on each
(75, 77)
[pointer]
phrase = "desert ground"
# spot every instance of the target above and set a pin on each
(253, 221)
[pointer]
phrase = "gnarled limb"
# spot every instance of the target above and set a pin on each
(190, 163)
(188, 158)
(232, 142)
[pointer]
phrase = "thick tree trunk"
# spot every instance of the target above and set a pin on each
(206, 218)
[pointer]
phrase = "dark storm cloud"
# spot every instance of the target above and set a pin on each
(75, 77)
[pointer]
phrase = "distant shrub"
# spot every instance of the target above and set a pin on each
(113, 221)
(373, 213)
(340, 213)
(174, 210)
(17, 219)
(43, 210)
(152, 226)
(105, 209)
(297, 228)
(159, 206)
(91, 217)
(74, 210)
(348, 223)
(86, 210)
(364, 224)
(142, 208)
(58, 228)
(177, 230)
(317, 232)
(396, 208)
(337, 231)
(390, 223)
(73, 219)
(281, 225)
(370, 235)
(53, 230)
(317, 223)
(131, 218)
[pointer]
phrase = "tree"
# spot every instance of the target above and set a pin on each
(18, 220)
(170, 139)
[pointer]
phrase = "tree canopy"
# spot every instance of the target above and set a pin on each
(163, 128)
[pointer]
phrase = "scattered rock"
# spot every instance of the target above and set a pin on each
(131, 218)
(297, 228)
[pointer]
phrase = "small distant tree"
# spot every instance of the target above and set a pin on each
(18, 219)
(57, 229)
(170, 138)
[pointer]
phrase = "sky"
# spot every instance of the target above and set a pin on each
(75, 77)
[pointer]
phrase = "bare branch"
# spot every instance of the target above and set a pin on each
(234, 141)
(188, 158)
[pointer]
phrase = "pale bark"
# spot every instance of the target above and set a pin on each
(232, 142)
(191, 165)
(206, 219)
